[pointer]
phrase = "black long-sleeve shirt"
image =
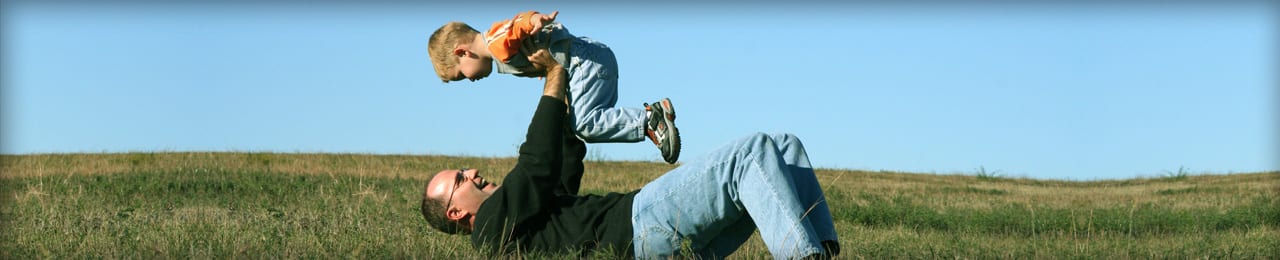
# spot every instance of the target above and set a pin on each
(537, 207)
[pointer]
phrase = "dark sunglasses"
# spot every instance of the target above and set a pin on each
(457, 182)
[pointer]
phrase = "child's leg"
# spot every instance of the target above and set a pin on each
(593, 95)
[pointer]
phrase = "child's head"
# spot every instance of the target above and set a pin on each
(452, 53)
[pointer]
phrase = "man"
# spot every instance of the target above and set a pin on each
(538, 208)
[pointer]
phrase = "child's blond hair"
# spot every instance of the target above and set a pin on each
(441, 45)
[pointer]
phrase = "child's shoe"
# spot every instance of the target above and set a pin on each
(661, 128)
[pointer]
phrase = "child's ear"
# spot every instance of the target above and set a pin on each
(460, 52)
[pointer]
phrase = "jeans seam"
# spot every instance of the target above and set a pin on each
(674, 234)
(773, 191)
(581, 126)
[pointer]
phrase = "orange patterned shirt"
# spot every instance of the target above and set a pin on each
(504, 36)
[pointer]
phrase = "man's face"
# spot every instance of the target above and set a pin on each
(472, 66)
(461, 189)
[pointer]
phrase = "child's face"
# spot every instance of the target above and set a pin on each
(473, 67)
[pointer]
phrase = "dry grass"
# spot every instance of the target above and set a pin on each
(945, 191)
(205, 205)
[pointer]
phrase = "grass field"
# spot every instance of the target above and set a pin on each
(219, 205)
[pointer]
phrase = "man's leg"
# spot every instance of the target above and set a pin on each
(729, 240)
(819, 215)
(700, 201)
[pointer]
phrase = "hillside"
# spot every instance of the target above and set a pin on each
(354, 205)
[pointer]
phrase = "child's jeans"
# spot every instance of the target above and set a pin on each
(714, 203)
(593, 93)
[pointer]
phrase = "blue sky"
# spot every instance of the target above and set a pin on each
(1051, 90)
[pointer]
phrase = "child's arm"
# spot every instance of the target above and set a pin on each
(538, 20)
(505, 36)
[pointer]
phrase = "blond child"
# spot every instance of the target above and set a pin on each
(460, 52)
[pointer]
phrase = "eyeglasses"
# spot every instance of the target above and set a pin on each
(457, 182)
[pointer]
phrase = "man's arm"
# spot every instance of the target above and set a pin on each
(531, 187)
(573, 149)
(557, 85)
(571, 168)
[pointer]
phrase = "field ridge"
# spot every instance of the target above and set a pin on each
(218, 204)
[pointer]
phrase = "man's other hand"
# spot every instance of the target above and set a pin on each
(542, 61)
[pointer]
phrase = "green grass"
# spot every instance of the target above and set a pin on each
(212, 213)
(1029, 220)
(218, 205)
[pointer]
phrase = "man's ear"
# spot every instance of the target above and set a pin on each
(456, 214)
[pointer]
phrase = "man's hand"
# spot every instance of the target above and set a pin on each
(542, 61)
(557, 78)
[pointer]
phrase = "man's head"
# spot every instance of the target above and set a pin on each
(458, 52)
(452, 197)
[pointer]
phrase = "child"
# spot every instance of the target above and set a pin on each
(459, 51)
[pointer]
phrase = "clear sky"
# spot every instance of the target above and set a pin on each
(1050, 90)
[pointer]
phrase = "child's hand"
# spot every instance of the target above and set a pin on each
(538, 20)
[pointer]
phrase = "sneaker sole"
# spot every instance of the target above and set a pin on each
(669, 112)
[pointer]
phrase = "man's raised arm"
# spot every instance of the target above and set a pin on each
(531, 187)
(557, 85)
(574, 150)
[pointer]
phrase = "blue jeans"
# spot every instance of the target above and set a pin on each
(715, 202)
(593, 93)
